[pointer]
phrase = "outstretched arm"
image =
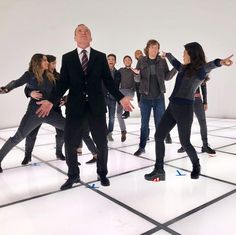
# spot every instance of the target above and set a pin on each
(175, 63)
(16, 83)
(217, 63)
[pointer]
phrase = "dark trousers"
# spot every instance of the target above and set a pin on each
(201, 117)
(111, 105)
(31, 138)
(137, 85)
(87, 139)
(73, 135)
(182, 115)
(28, 123)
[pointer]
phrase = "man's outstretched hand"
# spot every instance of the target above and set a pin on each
(126, 104)
(44, 109)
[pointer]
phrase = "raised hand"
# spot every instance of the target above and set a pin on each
(162, 54)
(227, 61)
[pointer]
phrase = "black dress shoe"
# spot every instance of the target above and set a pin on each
(208, 150)
(125, 115)
(168, 139)
(104, 180)
(60, 156)
(196, 172)
(69, 183)
(181, 150)
(156, 174)
(93, 160)
(139, 152)
(26, 160)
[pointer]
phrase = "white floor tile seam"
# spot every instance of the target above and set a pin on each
(221, 151)
(168, 230)
(201, 175)
(106, 196)
(209, 203)
(191, 212)
(80, 184)
(118, 149)
(222, 136)
(136, 212)
(224, 146)
(87, 184)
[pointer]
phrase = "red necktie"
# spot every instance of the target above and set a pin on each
(84, 62)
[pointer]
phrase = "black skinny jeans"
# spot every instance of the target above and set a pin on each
(182, 115)
(28, 123)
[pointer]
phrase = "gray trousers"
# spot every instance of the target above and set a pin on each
(28, 123)
(120, 110)
(201, 117)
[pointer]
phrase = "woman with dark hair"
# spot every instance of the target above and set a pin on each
(180, 110)
(31, 137)
(39, 79)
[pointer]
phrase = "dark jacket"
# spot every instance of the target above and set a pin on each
(84, 90)
(46, 87)
(186, 85)
(117, 79)
(31, 87)
(162, 71)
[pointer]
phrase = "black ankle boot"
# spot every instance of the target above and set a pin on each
(196, 172)
(60, 156)
(26, 160)
(156, 174)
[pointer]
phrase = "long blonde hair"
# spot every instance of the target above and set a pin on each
(35, 68)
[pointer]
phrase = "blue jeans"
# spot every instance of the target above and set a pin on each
(146, 106)
(111, 105)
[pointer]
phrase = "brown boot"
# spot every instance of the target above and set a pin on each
(123, 136)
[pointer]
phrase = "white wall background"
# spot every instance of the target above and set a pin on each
(121, 27)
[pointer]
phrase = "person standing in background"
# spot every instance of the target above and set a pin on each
(110, 100)
(127, 87)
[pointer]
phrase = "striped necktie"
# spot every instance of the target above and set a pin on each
(84, 61)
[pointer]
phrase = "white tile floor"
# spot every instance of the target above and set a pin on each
(31, 202)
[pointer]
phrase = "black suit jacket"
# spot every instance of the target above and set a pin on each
(85, 90)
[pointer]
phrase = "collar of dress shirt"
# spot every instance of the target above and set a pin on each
(79, 50)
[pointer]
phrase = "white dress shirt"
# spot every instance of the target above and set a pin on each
(79, 50)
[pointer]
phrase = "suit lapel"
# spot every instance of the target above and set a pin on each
(77, 63)
(92, 59)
